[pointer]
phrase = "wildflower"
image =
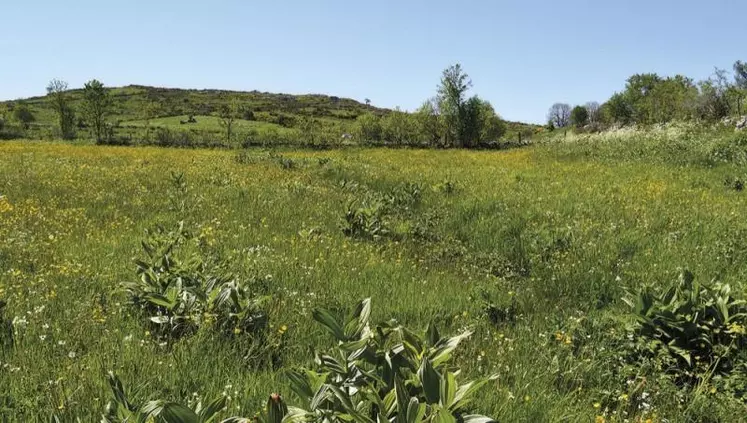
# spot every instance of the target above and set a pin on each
(236, 331)
(600, 419)
(737, 329)
(597, 405)
(71, 355)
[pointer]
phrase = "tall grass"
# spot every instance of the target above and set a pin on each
(532, 248)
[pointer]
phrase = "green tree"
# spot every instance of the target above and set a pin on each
(428, 123)
(638, 92)
(492, 127)
(617, 110)
(369, 127)
(60, 101)
(579, 116)
(398, 127)
(23, 115)
(96, 105)
(228, 113)
(452, 102)
(713, 102)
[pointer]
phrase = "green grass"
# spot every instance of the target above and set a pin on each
(560, 230)
(276, 116)
(205, 123)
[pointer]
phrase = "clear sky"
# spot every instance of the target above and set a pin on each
(522, 55)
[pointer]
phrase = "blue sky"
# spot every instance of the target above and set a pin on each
(521, 55)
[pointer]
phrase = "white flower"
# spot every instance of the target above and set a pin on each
(71, 354)
(42, 337)
(61, 343)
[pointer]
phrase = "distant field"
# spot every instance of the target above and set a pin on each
(205, 123)
(556, 236)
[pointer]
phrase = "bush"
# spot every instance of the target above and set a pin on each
(698, 328)
(365, 221)
(177, 297)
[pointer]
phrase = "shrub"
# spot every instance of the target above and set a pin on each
(387, 373)
(177, 297)
(699, 328)
(365, 221)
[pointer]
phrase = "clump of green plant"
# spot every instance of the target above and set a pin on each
(178, 296)
(365, 221)
(696, 329)
(405, 196)
(371, 217)
(121, 409)
(386, 373)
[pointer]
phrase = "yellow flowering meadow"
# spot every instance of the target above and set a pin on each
(529, 249)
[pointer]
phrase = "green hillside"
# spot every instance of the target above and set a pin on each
(161, 116)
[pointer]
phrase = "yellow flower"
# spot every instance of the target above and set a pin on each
(597, 405)
(236, 331)
(600, 419)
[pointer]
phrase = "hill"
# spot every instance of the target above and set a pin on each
(153, 115)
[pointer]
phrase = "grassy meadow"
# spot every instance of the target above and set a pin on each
(533, 248)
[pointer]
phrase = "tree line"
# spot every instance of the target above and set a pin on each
(649, 98)
(94, 109)
(450, 119)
